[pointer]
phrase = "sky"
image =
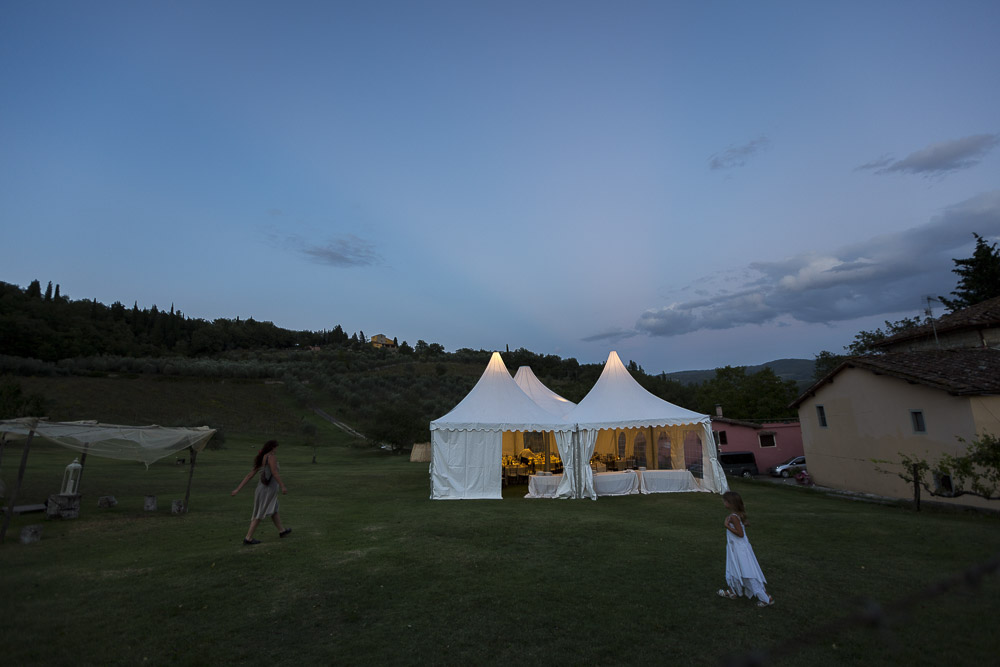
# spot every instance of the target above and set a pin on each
(692, 184)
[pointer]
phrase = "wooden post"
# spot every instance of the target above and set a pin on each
(916, 487)
(187, 496)
(17, 485)
(83, 462)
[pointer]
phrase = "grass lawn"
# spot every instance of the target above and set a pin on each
(375, 573)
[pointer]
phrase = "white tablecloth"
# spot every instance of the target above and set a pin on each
(543, 486)
(620, 483)
(667, 481)
(616, 483)
(605, 484)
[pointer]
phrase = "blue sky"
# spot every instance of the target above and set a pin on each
(693, 184)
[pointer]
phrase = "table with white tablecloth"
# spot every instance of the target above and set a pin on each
(605, 484)
(624, 483)
(543, 486)
(667, 481)
(616, 483)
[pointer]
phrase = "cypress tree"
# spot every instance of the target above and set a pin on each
(979, 276)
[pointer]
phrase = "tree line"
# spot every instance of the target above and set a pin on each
(389, 394)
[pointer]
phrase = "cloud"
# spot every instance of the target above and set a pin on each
(613, 336)
(883, 275)
(938, 159)
(737, 156)
(346, 251)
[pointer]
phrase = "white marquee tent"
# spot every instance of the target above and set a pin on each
(467, 443)
(618, 410)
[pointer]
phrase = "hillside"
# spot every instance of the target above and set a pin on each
(799, 370)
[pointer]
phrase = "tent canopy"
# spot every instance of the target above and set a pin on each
(542, 395)
(497, 403)
(618, 401)
(130, 443)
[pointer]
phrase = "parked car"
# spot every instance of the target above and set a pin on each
(789, 467)
(739, 463)
(743, 464)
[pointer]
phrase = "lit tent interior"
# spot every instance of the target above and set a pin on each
(467, 444)
(541, 443)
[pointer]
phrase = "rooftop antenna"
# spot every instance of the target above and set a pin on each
(929, 312)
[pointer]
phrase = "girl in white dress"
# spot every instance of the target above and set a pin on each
(743, 574)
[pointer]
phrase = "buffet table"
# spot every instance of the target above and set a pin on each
(623, 483)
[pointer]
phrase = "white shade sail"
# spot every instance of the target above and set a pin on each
(130, 443)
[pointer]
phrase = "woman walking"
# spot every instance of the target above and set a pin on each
(265, 496)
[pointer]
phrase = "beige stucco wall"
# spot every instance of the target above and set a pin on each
(868, 417)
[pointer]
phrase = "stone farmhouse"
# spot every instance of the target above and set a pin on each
(927, 388)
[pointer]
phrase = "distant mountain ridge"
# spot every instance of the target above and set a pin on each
(800, 370)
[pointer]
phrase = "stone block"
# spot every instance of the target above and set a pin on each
(31, 534)
(150, 504)
(107, 501)
(177, 507)
(62, 507)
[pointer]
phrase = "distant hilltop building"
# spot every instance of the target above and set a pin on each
(381, 340)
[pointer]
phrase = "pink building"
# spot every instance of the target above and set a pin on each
(770, 442)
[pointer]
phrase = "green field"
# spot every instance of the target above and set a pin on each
(376, 573)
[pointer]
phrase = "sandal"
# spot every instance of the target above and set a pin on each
(247, 542)
(770, 601)
(285, 532)
(726, 593)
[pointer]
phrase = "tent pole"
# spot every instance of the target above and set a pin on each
(17, 485)
(187, 496)
(579, 464)
(652, 452)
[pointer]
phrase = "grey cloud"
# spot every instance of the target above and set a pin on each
(885, 274)
(346, 251)
(613, 336)
(737, 156)
(939, 158)
(878, 163)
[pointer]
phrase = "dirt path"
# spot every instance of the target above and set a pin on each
(339, 424)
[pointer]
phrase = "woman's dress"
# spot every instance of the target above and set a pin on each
(265, 496)
(743, 574)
